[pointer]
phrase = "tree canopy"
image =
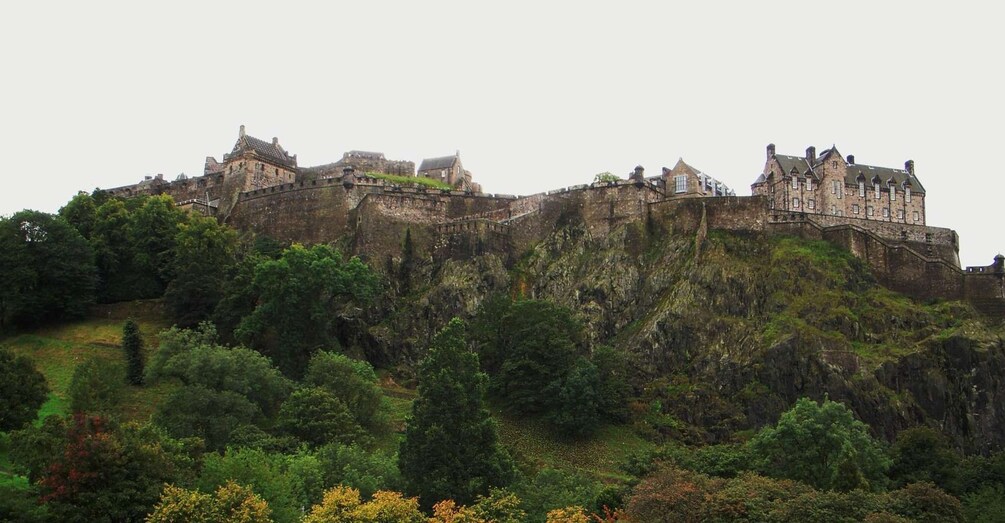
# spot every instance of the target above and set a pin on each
(22, 391)
(451, 450)
(46, 270)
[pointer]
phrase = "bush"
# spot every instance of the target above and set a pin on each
(97, 386)
(22, 391)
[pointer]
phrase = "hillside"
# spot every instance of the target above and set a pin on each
(726, 331)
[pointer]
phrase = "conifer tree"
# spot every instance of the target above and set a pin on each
(451, 449)
(132, 345)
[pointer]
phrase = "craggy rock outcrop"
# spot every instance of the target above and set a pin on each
(726, 331)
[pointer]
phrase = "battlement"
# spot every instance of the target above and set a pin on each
(259, 187)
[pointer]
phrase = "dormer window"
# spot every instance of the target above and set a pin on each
(861, 188)
(809, 184)
(907, 194)
(893, 192)
(875, 186)
(795, 182)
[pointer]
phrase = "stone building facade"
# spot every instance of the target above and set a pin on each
(449, 170)
(685, 181)
(260, 163)
(833, 185)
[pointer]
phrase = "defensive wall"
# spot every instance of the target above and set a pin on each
(376, 215)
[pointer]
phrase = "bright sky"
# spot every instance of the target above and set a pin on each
(535, 95)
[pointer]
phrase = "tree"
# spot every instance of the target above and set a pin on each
(97, 386)
(822, 445)
(315, 416)
(107, 473)
(529, 347)
(356, 467)
(922, 454)
(353, 382)
(300, 297)
(47, 270)
(231, 503)
(194, 358)
(195, 411)
(22, 391)
(33, 448)
(577, 409)
(204, 254)
(287, 489)
(132, 345)
(450, 449)
(343, 505)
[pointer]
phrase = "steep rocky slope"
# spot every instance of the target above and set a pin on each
(727, 331)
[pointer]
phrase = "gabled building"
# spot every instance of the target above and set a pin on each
(687, 181)
(833, 185)
(263, 163)
(449, 170)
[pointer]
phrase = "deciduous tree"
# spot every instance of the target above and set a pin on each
(22, 391)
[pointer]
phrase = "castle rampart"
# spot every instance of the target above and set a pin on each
(259, 187)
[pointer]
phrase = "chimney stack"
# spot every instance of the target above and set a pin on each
(275, 141)
(242, 131)
(811, 154)
(771, 150)
(909, 166)
(851, 159)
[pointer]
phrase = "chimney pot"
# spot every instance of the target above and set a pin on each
(242, 130)
(275, 141)
(851, 159)
(811, 153)
(771, 150)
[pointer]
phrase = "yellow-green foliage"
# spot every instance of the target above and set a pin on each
(343, 505)
(231, 503)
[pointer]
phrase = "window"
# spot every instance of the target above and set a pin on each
(900, 214)
(869, 210)
(893, 193)
(680, 183)
(811, 203)
(834, 210)
(907, 194)
(795, 182)
(876, 187)
(834, 164)
(795, 203)
(809, 184)
(886, 212)
(861, 188)
(916, 217)
(854, 208)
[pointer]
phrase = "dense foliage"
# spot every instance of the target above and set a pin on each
(22, 391)
(451, 450)
(46, 270)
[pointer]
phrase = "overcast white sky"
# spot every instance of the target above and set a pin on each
(535, 95)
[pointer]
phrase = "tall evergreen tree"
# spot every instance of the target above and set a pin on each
(132, 345)
(451, 449)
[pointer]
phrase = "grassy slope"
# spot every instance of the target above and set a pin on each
(56, 351)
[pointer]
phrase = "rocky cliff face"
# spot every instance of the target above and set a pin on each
(726, 331)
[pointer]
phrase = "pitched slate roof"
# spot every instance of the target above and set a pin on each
(443, 162)
(268, 150)
(885, 174)
(790, 163)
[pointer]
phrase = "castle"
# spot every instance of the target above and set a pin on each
(877, 213)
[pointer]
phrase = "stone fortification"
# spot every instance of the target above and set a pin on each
(260, 188)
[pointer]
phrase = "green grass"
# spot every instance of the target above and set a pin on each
(56, 351)
(411, 180)
(598, 456)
